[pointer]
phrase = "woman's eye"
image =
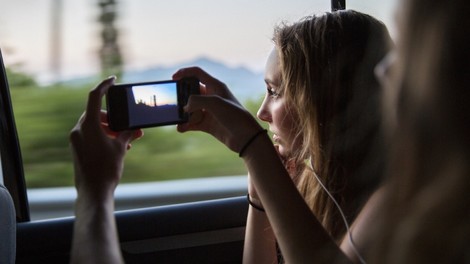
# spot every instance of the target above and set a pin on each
(272, 92)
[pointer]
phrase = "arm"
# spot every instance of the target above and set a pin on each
(98, 155)
(260, 242)
(363, 226)
(95, 237)
(301, 237)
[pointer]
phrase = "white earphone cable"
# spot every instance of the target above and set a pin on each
(348, 230)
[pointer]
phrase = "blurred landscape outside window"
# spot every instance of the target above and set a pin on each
(55, 51)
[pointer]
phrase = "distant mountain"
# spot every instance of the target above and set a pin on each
(243, 82)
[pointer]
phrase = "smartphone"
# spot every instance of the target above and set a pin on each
(149, 104)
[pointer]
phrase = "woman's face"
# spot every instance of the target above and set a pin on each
(274, 110)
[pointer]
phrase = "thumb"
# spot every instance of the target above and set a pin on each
(125, 137)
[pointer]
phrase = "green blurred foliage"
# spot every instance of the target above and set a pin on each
(45, 116)
(19, 79)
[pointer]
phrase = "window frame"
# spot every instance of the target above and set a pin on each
(10, 152)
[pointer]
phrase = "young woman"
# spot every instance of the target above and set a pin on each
(322, 105)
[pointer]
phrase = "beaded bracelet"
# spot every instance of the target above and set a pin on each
(248, 143)
(257, 207)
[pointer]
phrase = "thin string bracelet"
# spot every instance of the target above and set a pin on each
(248, 143)
(257, 207)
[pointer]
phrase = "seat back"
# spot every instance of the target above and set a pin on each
(7, 227)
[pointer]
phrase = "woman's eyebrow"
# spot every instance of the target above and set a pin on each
(270, 82)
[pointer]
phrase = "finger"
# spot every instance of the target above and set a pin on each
(211, 84)
(197, 72)
(202, 88)
(209, 102)
(182, 127)
(74, 135)
(110, 133)
(103, 116)
(129, 135)
(80, 120)
(196, 117)
(204, 111)
(125, 137)
(93, 109)
(137, 134)
(105, 125)
(76, 130)
(105, 122)
(185, 127)
(222, 112)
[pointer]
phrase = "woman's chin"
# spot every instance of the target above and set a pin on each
(284, 152)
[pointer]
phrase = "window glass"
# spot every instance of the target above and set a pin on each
(52, 52)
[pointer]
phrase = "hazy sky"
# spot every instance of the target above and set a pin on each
(157, 32)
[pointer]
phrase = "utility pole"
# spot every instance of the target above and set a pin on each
(110, 54)
(56, 40)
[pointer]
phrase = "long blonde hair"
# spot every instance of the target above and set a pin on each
(327, 73)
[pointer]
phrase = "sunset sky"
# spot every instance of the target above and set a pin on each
(165, 94)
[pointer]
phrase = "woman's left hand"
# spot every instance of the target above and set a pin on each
(98, 152)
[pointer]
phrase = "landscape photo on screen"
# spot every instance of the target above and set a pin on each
(153, 104)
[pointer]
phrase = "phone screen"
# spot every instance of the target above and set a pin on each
(151, 104)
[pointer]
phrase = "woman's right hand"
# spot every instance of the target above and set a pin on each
(210, 85)
(217, 112)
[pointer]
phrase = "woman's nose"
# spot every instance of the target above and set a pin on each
(263, 113)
